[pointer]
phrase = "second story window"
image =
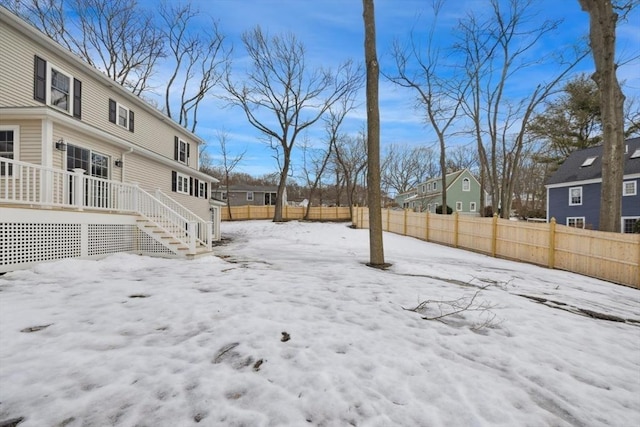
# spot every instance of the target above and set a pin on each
(466, 184)
(181, 150)
(58, 88)
(121, 115)
(575, 196)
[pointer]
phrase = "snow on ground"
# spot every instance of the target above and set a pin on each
(137, 341)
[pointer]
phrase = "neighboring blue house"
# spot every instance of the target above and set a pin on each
(573, 191)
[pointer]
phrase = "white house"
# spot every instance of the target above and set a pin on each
(86, 167)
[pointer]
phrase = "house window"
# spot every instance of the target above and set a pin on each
(121, 115)
(202, 189)
(458, 206)
(183, 151)
(8, 148)
(577, 222)
(424, 188)
(249, 196)
(629, 188)
(435, 186)
(629, 224)
(60, 89)
(636, 154)
(57, 88)
(223, 195)
(429, 207)
(466, 184)
(575, 196)
(472, 206)
(589, 161)
(182, 183)
(270, 199)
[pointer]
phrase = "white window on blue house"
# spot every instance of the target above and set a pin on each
(629, 188)
(249, 196)
(575, 221)
(472, 206)
(458, 206)
(466, 184)
(629, 223)
(575, 196)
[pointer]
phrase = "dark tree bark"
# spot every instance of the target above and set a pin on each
(376, 249)
(602, 37)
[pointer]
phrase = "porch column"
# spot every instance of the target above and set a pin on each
(78, 188)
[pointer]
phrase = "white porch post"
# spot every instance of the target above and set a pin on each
(192, 236)
(78, 188)
(209, 234)
(135, 197)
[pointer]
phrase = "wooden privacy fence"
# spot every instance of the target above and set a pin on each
(609, 256)
(319, 213)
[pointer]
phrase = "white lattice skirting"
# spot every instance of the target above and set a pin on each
(30, 236)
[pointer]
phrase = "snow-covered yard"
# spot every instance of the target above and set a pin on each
(136, 341)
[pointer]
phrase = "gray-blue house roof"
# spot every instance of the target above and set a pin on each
(573, 171)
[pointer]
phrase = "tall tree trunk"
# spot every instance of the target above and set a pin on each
(376, 249)
(602, 36)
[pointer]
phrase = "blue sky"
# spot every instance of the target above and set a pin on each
(332, 32)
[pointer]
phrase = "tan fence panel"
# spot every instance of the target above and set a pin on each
(523, 241)
(475, 233)
(340, 213)
(609, 256)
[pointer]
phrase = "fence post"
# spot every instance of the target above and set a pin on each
(78, 188)
(248, 211)
(426, 226)
(404, 223)
(455, 229)
(552, 243)
(494, 236)
(361, 216)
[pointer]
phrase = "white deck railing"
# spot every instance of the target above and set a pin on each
(34, 185)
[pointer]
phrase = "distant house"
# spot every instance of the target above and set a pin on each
(406, 199)
(255, 195)
(573, 191)
(463, 193)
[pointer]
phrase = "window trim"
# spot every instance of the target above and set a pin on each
(472, 206)
(633, 192)
(49, 86)
(202, 189)
(120, 107)
(435, 186)
(466, 181)
(571, 198)
(458, 206)
(250, 196)
(622, 220)
(575, 218)
(182, 180)
(179, 144)
(16, 143)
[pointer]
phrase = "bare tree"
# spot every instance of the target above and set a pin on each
(282, 96)
(198, 61)
(314, 165)
(404, 167)
(351, 157)
(602, 36)
(376, 249)
(228, 163)
(436, 90)
(496, 50)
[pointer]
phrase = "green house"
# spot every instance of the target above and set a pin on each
(463, 193)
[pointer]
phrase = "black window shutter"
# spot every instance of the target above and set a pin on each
(188, 152)
(190, 186)
(112, 111)
(131, 116)
(206, 190)
(174, 181)
(77, 98)
(176, 147)
(196, 191)
(40, 79)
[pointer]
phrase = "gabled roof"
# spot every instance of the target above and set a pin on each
(586, 164)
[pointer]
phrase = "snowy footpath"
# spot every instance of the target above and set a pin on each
(287, 326)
